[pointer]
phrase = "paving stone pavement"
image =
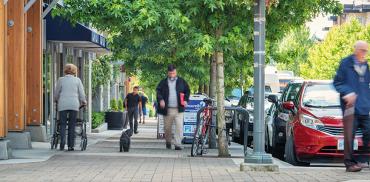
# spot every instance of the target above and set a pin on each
(148, 160)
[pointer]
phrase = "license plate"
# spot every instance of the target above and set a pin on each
(340, 145)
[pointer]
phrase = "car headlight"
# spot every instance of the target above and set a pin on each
(310, 122)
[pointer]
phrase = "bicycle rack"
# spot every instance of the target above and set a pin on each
(235, 123)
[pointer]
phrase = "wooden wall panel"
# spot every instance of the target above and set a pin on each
(16, 85)
(3, 128)
(34, 65)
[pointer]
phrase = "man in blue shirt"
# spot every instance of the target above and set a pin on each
(352, 82)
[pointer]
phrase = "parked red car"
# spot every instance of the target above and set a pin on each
(314, 129)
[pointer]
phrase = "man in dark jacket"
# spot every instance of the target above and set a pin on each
(352, 82)
(133, 105)
(173, 95)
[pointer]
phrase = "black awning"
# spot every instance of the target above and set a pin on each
(78, 35)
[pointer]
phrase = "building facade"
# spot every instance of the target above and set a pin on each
(34, 47)
(352, 9)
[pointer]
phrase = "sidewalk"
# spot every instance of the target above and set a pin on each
(148, 160)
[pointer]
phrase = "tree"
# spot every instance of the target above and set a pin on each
(324, 57)
(150, 34)
(292, 50)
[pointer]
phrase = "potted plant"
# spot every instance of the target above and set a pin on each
(114, 117)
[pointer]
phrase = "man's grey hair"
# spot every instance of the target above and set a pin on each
(360, 43)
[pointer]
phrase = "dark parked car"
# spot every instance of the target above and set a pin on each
(279, 116)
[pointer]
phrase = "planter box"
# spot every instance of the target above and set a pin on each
(103, 127)
(115, 120)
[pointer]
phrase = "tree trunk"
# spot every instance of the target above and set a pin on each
(206, 89)
(212, 93)
(213, 77)
(200, 88)
(223, 150)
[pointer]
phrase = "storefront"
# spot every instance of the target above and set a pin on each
(34, 47)
(67, 43)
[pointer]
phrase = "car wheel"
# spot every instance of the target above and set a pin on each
(290, 155)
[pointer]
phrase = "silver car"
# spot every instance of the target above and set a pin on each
(269, 122)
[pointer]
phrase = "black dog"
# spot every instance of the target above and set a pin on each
(125, 140)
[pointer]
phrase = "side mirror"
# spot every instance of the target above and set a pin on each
(272, 98)
(289, 105)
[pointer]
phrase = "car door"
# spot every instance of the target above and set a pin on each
(292, 95)
(283, 116)
(269, 122)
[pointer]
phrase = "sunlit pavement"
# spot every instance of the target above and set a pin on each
(148, 160)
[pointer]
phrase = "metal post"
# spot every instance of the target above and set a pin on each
(259, 155)
(91, 57)
(212, 144)
(53, 63)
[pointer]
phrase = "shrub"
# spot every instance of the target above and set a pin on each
(113, 105)
(97, 119)
(151, 113)
(120, 105)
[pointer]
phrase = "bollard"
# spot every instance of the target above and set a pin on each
(212, 144)
(245, 140)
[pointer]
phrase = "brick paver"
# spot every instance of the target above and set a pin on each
(148, 160)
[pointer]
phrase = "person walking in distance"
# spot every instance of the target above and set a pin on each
(133, 105)
(144, 101)
(173, 95)
(352, 82)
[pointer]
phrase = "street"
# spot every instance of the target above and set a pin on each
(148, 160)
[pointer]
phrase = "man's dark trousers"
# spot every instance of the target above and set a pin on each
(133, 114)
(352, 123)
(363, 122)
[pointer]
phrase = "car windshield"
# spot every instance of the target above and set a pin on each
(233, 98)
(267, 89)
(321, 96)
(283, 83)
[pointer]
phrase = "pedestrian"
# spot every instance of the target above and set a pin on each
(69, 96)
(352, 82)
(173, 95)
(155, 107)
(133, 105)
(144, 101)
(244, 100)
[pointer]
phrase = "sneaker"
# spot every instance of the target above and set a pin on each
(71, 149)
(178, 148)
(353, 168)
(136, 132)
(168, 146)
(364, 165)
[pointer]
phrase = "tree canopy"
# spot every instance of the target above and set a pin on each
(324, 57)
(149, 34)
(292, 51)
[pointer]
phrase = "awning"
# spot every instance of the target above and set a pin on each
(77, 36)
